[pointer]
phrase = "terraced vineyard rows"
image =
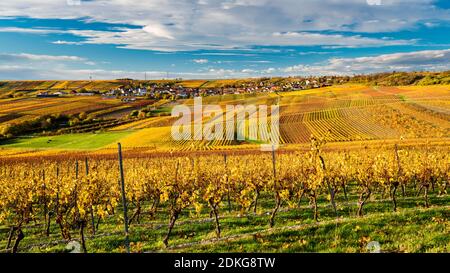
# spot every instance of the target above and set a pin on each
(439, 109)
(27, 106)
(332, 126)
(362, 120)
(423, 114)
(339, 114)
(295, 132)
(408, 126)
(147, 123)
(352, 117)
(45, 106)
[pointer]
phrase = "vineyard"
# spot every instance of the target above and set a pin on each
(202, 203)
(14, 111)
(356, 164)
(339, 114)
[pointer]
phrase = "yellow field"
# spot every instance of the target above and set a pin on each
(157, 137)
(193, 83)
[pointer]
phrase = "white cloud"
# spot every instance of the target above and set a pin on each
(159, 31)
(430, 60)
(311, 39)
(200, 61)
(410, 61)
(250, 71)
(315, 53)
(259, 62)
(431, 24)
(30, 30)
(132, 38)
(226, 54)
(35, 66)
(35, 57)
(59, 42)
(215, 24)
(13, 72)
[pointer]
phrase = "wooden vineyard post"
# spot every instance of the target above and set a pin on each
(44, 197)
(274, 162)
(228, 182)
(86, 164)
(124, 198)
(55, 212)
(76, 169)
(277, 193)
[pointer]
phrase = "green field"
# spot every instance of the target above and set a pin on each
(87, 141)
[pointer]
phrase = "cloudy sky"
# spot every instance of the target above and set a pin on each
(107, 39)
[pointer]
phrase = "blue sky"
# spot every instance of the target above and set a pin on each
(108, 39)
